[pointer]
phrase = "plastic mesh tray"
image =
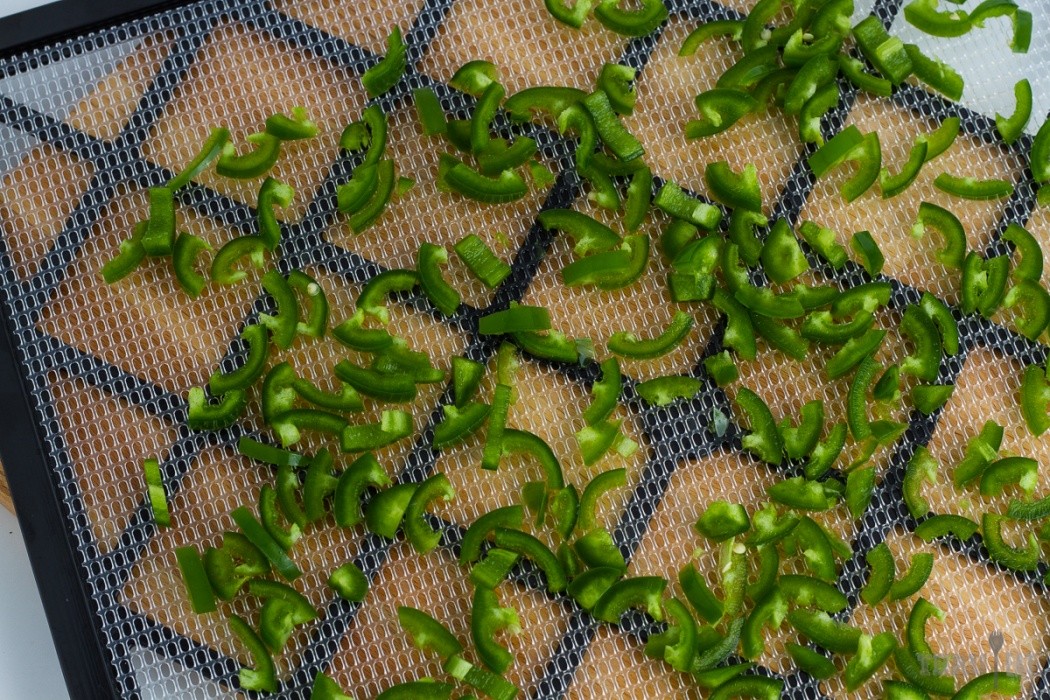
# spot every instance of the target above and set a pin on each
(87, 124)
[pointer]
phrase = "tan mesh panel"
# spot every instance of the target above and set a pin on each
(107, 439)
(36, 198)
(107, 108)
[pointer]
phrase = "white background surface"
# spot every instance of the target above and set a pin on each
(28, 663)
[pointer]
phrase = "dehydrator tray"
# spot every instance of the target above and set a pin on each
(100, 101)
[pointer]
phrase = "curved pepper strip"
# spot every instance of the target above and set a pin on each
(589, 235)
(272, 193)
(872, 653)
(459, 423)
(315, 322)
(588, 587)
(223, 270)
(637, 22)
(615, 80)
(972, 188)
(922, 467)
(570, 16)
(419, 533)
(942, 318)
(210, 150)
(918, 673)
(1034, 397)
(739, 332)
(385, 512)
(672, 200)
(812, 662)
(283, 609)
(484, 112)
(1030, 266)
(349, 582)
(853, 352)
(893, 185)
(732, 28)
(202, 415)
(801, 494)
(721, 650)
(605, 392)
(949, 226)
(1010, 128)
(232, 565)
(860, 487)
(522, 441)
(183, 258)
(813, 542)
(884, 52)
(498, 157)
(427, 634)
(806, 591)
(198, 588)
(823, 101)
(597, 549)
(821, 327)
(383, 76)
(915, 632)
(263, 676)
(722, 520)
(493, 569)
(825, 453)
(721, 108)
(289, 424)
(1034, 304)
(771, 610)
(645, 591)
(480, 529)
(257, 339)
(769, 527)
(678, 644)
(782, 258)
(760, 300)
(735, 190)
(943, 525)
(742, 223)
(252, 164)
(766, 577)
(269, 514)
(855, 72)
(129, 255)
(831, 634)
(365, 472)
(428, 261)
(270, 548)
(750, 69)
(528, 546)
(392, 426)
(486, 619)
(1022, 471)
(919, 328)
(284, 323)
(1025, 558)
(814, 74)
(627, 344)
(455, 176)
(993, 683)
(781, 336)
(763, 438)
(822, 240)
(937, 74)
(699, 594)
(882, 570)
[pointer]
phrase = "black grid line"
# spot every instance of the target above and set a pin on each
(984, 333)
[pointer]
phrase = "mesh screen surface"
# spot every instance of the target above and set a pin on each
(87, 125)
